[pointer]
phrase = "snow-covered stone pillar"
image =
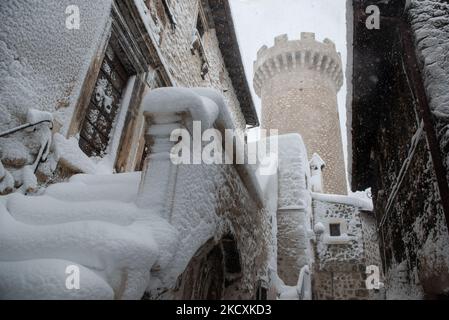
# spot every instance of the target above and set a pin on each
(159, 173)
(168, 109)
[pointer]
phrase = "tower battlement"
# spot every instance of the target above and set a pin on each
(306, 53)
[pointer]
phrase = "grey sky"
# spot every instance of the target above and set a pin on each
(257, 22)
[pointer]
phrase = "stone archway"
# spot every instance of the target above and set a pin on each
(214, 268)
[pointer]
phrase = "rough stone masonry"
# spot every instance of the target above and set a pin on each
(298, 82)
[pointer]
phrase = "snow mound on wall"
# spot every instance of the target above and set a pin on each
(178, 100)
(115, 243)
(294, 172)
(364, 204)
(203, 104)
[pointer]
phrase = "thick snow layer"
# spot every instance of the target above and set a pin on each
(294, 172)
(129, 178)
(91, 222)
(47, 210)
(47, 62)
(178, 100)
(69, 152)
(45, 279)
(97, 245)
(77, 191)
(35, 116)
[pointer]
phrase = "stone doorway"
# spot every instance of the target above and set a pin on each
(214, 268)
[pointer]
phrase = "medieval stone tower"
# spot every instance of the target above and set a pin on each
(298, 82)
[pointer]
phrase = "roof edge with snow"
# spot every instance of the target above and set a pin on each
(229, 47)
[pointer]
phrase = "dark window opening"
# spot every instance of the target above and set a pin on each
(232, 257)
(262, 291)
(161, 12)
(334, 229)
(104, 105)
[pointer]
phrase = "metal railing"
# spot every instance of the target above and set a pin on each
(45, 147)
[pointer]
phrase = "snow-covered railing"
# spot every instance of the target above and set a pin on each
(29, 180)
(34, 118)
(302, 290)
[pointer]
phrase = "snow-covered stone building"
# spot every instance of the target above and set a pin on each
(72, 169)
(397, 128)
(328, 234)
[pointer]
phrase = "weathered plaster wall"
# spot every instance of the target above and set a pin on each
(340, 286)
(346, 251)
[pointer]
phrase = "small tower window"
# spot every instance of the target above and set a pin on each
(334, 230)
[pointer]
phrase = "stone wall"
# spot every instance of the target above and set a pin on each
(340, 262)
(391, 144)
(211, 202)
(185, 67)
(414, 241)
(340, 286)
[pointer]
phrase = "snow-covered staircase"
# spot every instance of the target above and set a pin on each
(91, 222)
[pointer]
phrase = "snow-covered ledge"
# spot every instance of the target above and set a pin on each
(173, 108)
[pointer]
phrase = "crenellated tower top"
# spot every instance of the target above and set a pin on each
(296, 54)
